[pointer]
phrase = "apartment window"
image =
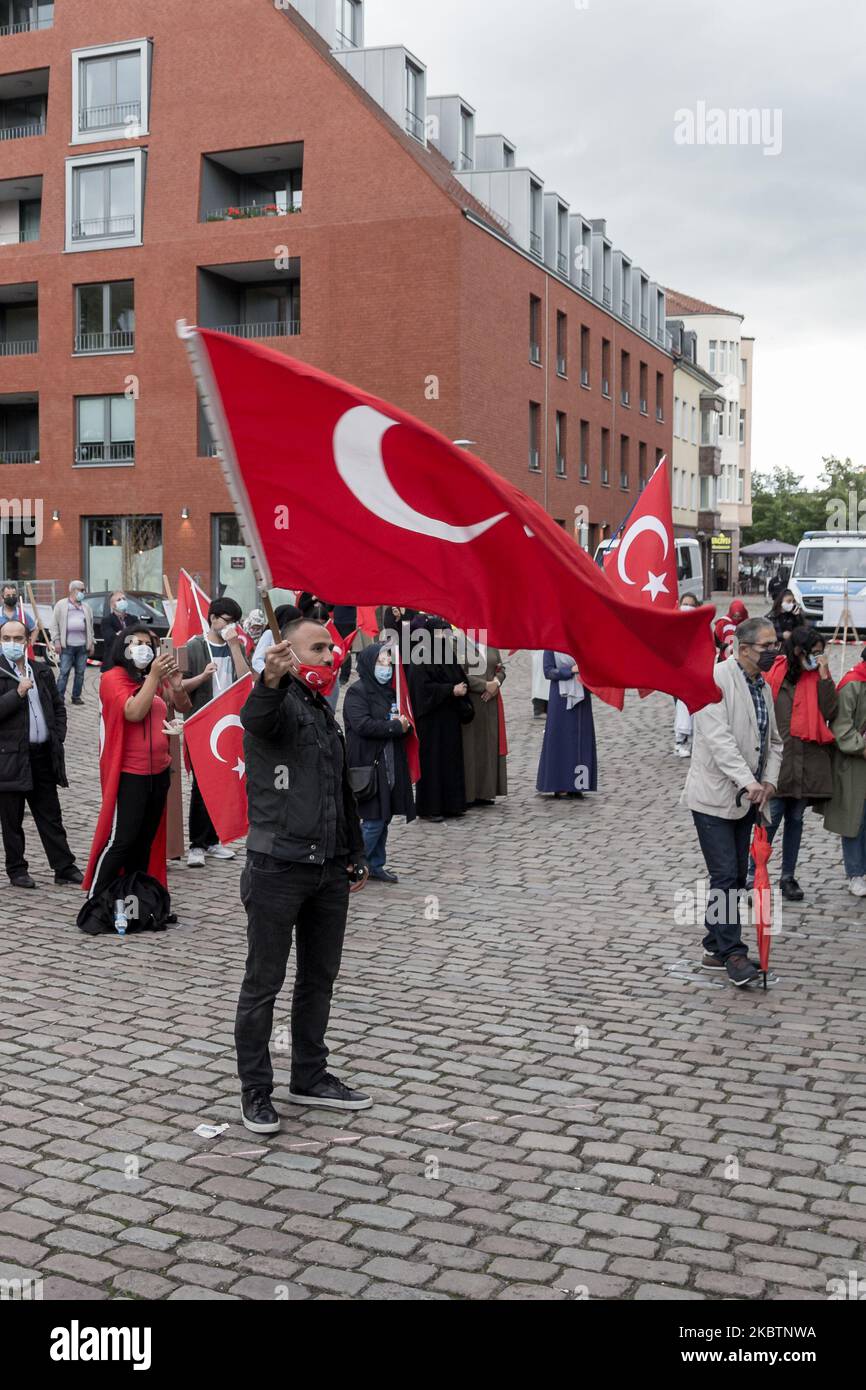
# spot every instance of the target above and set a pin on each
(676, 416)
(534, 437)
(562, 240)
(414, 101)
(605, 458)
(625, 378)
(713, 347)
(605, 367)
(675, 487)
(708, 497)
(561, 444)
(562, 343)
(467, 142)
(110, 91)
(641, 467)
(694, 433)
(744, 370)
(104, 200)
(742, 426)
(534, 329)
(536, 208)
(21, 117)
(123, 552)
(644, 388)
(741, 486)
(19, 16)
(623, 460)
(508, 153)
(626, 291)
(660, 396)
(349, 23)
(105, 317)
(584, 356)
(584, 451)
(104, 430)
(694, 498)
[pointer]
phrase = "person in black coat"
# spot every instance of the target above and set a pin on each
(376, 737)
(786, 614)
(438, 687)
(32, 765)
(115, 619)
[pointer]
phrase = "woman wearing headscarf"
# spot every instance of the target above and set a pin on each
(568, 765)
(484, 746)
(806, 702)
(725, 628)
(845, 812)
(439, 691)
(376, 738)
(134, 760)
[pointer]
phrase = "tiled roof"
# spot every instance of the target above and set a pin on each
(677, 304)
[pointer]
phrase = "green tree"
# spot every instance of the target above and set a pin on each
(782, 509)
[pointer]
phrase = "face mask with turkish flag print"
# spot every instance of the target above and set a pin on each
(322, 679)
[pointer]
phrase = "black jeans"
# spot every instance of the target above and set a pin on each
(725, 847)
(44, 806)
(140, 804)
(280, 895)
(201, 831)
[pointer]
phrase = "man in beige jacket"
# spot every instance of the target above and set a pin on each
(736, 758)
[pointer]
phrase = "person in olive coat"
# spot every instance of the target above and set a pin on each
(32, 765)
(376, 737)
(845, 812)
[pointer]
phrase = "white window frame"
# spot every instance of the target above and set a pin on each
(143, 47)
(743, 371)
(713, 348)
(134, 155)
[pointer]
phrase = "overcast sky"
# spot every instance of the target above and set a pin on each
(588, 91)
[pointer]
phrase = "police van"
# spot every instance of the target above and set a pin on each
(823, 562)
(689, 572)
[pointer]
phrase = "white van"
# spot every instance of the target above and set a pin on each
(689, 571)
(824, 560)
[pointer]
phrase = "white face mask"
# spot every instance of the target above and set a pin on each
(787, 607)
(141, 655)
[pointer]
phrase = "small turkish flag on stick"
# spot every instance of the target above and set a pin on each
(642, 564)
(190, 615)
(404, 707)
(215, 743)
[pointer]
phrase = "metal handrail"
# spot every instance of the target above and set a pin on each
(28, 235)
(562, 263)
(19, 347)
(103, 226)
(107, 117)
(626, 310)
(585, 279)
(105, 452)
(25, 27)
(19, 455)
(535, 243)
(288, 329)
(247, 211)
(414, 124)
(605, 295)
(21, 132)
(116, 340)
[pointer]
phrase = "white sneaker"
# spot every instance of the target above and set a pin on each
(857, 886)
(219, 852)
(682, 751)
(195, 859)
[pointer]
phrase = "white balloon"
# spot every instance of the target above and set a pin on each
(358, 455)
(646, 523)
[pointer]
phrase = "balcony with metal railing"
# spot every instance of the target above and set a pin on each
(123, 113)
(287, 329)
(251, 211)
(115, 340)
(23, 131)
(18, 455)
(19, 347)
(585, 280)
(626, 310)
(414, 124)
(644, 323)
(562, 263)
(606, 296)
(25, 26)
(105, 452)
(535, 244)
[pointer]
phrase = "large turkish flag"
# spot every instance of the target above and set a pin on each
(346, 495)
(214, 739)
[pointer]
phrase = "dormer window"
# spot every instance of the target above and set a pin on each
(349, 23)
(414, 98)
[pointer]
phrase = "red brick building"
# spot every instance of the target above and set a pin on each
(234, 173)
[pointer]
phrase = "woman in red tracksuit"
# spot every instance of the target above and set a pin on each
(724, 628)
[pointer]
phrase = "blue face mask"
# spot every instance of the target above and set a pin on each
(13, 651)
(121, 605)
(384, 675)
(810, 663)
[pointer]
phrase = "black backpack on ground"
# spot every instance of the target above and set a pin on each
(148, 906)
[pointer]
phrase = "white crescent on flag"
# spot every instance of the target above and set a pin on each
(646, 523)
(225, 723)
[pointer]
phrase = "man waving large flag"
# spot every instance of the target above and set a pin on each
(341, 493)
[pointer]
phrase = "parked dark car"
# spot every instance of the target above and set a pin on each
(144, 607)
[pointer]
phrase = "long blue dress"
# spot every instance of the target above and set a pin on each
(568, 756)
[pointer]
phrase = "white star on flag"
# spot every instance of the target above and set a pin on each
(655, 586)
(240, 768)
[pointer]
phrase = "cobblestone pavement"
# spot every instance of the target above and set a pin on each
(563, 1106)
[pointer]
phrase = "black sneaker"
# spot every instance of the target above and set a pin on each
(712, 962)
(22, 881)
(331, 1094)
(791, 890)
(258, 1114)
(77, 701)
(741, 971)
(384, 876)
(71, 875)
